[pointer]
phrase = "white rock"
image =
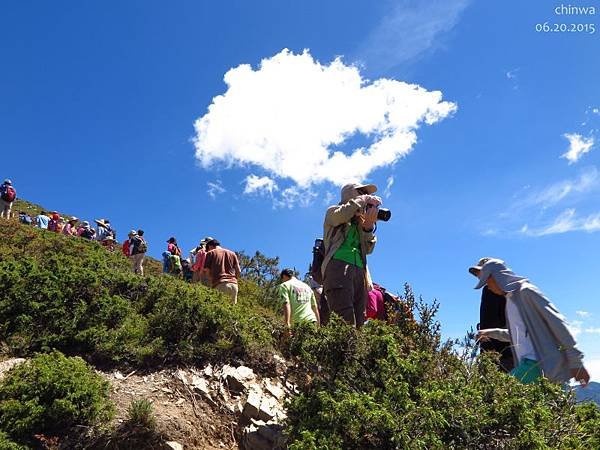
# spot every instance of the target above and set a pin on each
(182, 376)
(275, 389)
(175, 445)
(201, 385)
(5, 366)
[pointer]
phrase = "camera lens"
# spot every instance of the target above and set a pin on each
(384, 214)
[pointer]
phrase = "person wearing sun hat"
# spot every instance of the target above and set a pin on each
(137, 250)
(198, 257)
(70, 228)
(348, 237)
(104, 229)
(492, 314)
(540, 339)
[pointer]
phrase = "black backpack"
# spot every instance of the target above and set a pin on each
(318, 252)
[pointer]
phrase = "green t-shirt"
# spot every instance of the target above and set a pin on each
(349, 251)
(301, 299)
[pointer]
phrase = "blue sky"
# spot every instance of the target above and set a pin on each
(100, 99)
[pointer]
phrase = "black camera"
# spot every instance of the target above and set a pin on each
(383, 214)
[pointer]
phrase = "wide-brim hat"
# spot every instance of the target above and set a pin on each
(101, 222)
(349, 191)
(206, 240)
(132, 233)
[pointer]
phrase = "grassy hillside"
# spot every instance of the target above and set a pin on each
(381, 387)
(72, 295)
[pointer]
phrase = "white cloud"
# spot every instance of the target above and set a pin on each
(575, 327)
(565, 222)
(388, 187)
(578, 146)
(291, 116)
(408, 30)
(592, 330)
(295, 196)
(215, 188)
(584, 314)
(512, 75)
(329, 198)
(553, 194)
(255, 184)
(593, 367)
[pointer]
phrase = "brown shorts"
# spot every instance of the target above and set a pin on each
(346, 291)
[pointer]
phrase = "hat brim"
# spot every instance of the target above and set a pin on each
(474, 270)
(368, 188)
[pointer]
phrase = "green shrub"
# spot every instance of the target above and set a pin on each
(7, 444)
(141, 414)
(50, 393)
(71, 295)
(389, 387)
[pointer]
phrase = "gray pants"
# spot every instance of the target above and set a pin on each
(138, 260)
(229, 289)
(346, 292)
(5, 209)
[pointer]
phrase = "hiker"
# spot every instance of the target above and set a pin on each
(8, 195)
(104, 229)
(492, 314)
(54, 223)
(320, 298)
(137, 249)
(186, 270)
(223, 269)
(199, 257)
(172, 247)
(375, 304)
(171, 264)
(25, 218)
(41, 220)
(86, 231)
(108, 243)
(542, 344)
(348, 232)
(70, 228)
(298, 300)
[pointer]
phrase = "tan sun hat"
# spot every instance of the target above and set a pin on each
(349, 191)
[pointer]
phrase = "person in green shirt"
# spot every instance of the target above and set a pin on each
(348, 237)
(298, 300)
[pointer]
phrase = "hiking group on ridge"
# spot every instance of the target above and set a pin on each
(516, 320)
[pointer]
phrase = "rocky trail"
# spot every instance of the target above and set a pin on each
(210, 408)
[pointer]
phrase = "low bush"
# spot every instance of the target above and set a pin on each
(71, 295)
(49, 394)
(389, 387)
(141, 414)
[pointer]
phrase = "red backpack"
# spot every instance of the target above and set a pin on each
(9, 194)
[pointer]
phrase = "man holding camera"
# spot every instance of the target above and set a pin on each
(348, 235)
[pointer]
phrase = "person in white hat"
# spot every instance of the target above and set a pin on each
(348, 237)
(541, 341)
